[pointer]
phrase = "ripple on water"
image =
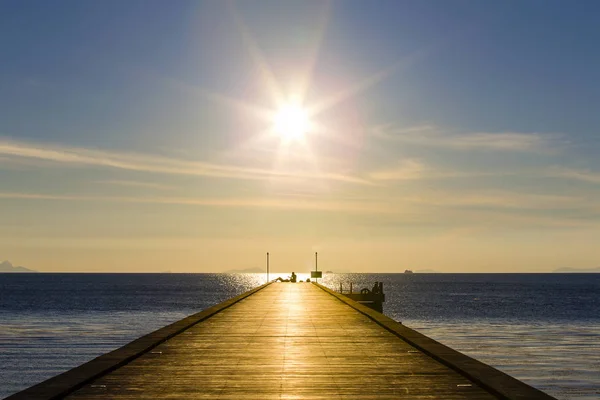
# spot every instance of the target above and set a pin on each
(54, 322)
(562, 360)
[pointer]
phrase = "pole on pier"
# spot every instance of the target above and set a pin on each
(316, 264)
(316, 274)
(267, 266)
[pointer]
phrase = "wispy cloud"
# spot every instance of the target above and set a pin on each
(575, 174)
(408, 169)
(137, 184)
(78, 156)
(505, 200)
(430, 135)
(284, 202)
(418, 204)
(416, 169)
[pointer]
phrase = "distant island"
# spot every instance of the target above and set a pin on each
(577, 270)
(245, 271)
(6, 266)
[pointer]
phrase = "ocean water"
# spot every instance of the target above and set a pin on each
(541, 328)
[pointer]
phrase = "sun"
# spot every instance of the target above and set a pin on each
(291, 122)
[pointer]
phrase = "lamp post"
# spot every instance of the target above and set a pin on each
(316, 264)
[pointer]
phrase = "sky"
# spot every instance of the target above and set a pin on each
(455, 136)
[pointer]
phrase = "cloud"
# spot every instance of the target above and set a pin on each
(575, 174)
(404, 170)
(137, 184)
(417, 205)
(415, 169)
(430, 135)
(505, 200)
(272, 203)
(77, 156)
(412, 169)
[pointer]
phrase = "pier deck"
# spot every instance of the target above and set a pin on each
(289, 341)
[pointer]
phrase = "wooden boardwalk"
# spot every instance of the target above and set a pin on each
(286, 341)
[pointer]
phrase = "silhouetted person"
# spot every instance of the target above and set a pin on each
(290, 279)
(375, 288)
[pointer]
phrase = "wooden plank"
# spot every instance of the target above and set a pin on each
(285, 341)
(59, 386)
(497, 382)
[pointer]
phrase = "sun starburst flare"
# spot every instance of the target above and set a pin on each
(293, 125)
(291, 122)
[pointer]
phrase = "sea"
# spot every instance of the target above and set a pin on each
(543, 329)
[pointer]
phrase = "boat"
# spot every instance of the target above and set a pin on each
(408, 271)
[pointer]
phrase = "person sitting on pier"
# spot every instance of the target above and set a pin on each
(290, 279)
(375, 288)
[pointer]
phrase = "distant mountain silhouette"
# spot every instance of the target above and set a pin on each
(246, 271)
(6, 266)
(580, 270)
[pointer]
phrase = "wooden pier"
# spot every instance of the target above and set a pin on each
(284, 341)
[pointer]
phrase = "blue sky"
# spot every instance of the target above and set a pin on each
(454, 136)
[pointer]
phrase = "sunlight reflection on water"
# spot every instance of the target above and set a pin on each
(53, 322)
